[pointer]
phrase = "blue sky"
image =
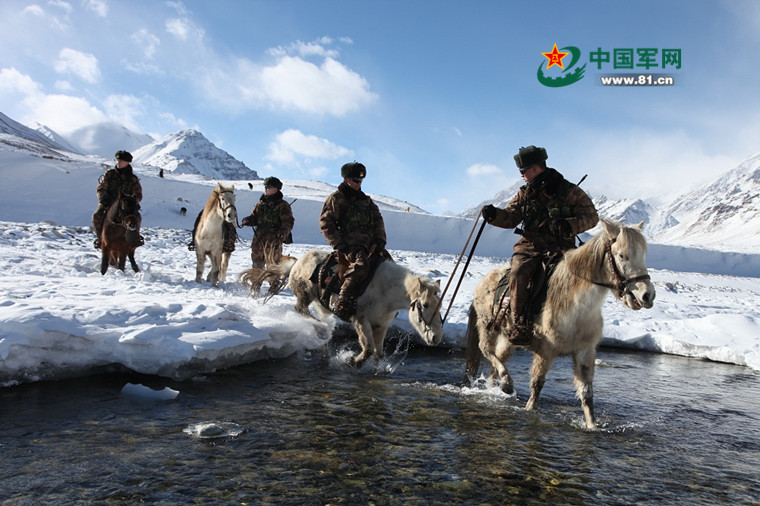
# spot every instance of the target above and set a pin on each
(434, 97)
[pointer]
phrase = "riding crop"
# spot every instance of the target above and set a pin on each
(456, 266)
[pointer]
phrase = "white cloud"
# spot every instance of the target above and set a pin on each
(146, 41)
(124, 109)
(82, 65)
(64, 6)
(329, 88)
(34, 10)
(292, 146)
(99, 7)
(483, 169)
(291, 83)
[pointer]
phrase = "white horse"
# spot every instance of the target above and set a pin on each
(570, 322)
(391, 289)
(209, 236)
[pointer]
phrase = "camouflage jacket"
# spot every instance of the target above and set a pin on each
(272, 215)
(350, 219)
(116, 181)
(539, 205)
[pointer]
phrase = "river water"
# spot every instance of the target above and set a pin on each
(310, 430)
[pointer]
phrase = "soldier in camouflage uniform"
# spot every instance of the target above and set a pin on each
(120, 179)
(552, 211)
(272, 220)
(352, 224)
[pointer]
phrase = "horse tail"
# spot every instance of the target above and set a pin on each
(472, 347)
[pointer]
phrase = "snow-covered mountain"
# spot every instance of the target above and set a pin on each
(723, 215)
(726, 210)
(105, 139)
(55, 137)
(189, 152)
(14, 133)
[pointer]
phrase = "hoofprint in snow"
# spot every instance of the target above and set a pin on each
(60, 317)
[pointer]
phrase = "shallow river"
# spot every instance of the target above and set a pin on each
(310, 430)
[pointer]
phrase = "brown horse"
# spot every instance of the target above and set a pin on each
(120, 234)
(570, 322)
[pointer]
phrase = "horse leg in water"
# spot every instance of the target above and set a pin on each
(378, 336)
(538, 370)
(132, 261)
(497, 356)
(583, 371)
(364, 331)
(503, 352)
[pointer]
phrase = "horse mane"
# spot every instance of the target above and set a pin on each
(586, 263)
(212, 199)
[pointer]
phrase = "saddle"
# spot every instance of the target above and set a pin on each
(229, 235)
(328, 275)
(538, 288)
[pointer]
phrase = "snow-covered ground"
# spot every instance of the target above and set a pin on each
(60, 317)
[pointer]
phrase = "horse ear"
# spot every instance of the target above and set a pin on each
(639, 226)
(610, 228)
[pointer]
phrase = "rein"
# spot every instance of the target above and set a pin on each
(622, 285)
(223, 208)
(416, 305)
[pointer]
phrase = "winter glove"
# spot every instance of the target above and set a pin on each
(488, 212)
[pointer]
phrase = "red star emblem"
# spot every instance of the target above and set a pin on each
(555, 58)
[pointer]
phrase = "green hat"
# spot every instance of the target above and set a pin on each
(353, 170)
(530, 156)
(273, 181)
(123, 155)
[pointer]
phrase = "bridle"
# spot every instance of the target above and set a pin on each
(120, 213)
(416, 305)
(622, 285)
(222, 207)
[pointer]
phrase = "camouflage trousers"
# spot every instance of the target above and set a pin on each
(266, 249)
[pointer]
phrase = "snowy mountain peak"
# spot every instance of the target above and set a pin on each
(41, 142)
(105, 139)
(189, 152)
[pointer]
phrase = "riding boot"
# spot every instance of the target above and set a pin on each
(521, 333)
(345, 306)
(97, 224)
(191, 244)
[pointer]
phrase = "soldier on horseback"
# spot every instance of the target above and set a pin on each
(552, 211)
(122, 180)
(352, 224)
(272, 221)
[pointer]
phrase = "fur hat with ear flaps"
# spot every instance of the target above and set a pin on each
(530, 156)
(273, 181)
(353, 170)
(123, 155)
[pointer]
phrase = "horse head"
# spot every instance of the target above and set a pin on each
(129, 210)
(226, 199)
(626, 250)
(424, 310)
